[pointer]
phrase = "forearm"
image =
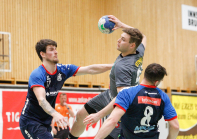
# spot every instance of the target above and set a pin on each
(47, 107)
(107, 110)
(123, 26)
(99, 68)
(106, 128)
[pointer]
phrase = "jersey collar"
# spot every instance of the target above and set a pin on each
(149, 86)
(49, 72)
(129, 54)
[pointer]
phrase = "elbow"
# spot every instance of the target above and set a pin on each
(175, 126)
(113, 122)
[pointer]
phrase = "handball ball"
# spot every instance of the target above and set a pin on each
(105, 26)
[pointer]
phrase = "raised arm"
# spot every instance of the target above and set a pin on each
(119, 24)
(94, 69)
(41, 97)
(110, 123)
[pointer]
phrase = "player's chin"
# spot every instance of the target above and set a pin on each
(118, 48)
(56, 61)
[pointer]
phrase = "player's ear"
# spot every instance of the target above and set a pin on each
(42, 54)
(132, 45)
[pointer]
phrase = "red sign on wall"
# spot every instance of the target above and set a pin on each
(12, 102)
(12, 105)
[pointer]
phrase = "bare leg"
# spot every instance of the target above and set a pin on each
(78, 126)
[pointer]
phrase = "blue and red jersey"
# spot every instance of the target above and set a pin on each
(144, 106)
(52, 83)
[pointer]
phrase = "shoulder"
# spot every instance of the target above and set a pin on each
(163, 95)
(141, 47)
(66, 67)
(133, 89)
(38, 72)
(63, 66)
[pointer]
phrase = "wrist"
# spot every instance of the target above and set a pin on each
(54, 114)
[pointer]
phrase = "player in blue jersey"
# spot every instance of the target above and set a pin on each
(124, 73)
(44, 84)
(141, 107)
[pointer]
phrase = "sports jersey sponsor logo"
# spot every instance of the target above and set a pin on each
(149, 100)
(59, 77)
(48, 81)
(139, 62)
(52, 93)
(143, 129)
(150, 93)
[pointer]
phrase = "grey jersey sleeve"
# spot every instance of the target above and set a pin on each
(141, 49)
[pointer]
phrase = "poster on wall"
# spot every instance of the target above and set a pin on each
(189, 17)
(12, 102)
(186, 108)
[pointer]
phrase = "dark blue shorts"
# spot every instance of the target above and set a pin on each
(34, 130)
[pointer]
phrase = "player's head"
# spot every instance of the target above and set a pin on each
(154, 73)
(46, 49)
(130, 40)
(63, 98)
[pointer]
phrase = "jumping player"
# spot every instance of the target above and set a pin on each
(124, 73)
(44, 84)
(141, 107)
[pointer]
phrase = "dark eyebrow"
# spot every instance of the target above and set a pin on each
(122, 37)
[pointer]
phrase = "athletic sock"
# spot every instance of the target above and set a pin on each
(70, 136)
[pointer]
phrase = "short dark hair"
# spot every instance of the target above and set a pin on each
(154, 72)
(63, 94)
(42, 45)
(135, 35)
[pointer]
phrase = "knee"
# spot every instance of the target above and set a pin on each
(81, 114)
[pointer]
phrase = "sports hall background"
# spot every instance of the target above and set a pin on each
(73, 24)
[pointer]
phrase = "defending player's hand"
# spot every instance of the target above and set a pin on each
(118, 23)
(61, 121)
(54, 131)
(91, 119)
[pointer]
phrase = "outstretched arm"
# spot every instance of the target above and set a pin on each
(94, 69)
(173, 129)
(119, 24)
(94, 118)
(110, 123)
